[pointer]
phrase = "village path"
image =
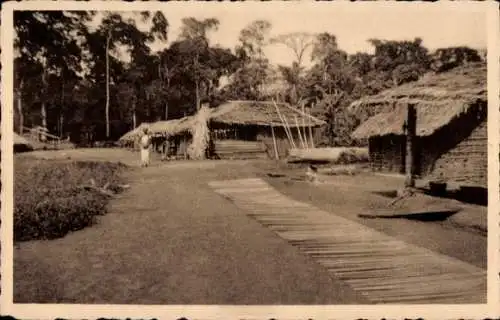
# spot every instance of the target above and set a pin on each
(170, 240)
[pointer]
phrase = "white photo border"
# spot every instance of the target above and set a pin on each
(72, 311)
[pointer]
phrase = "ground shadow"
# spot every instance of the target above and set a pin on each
(425, 216)
(469, 195)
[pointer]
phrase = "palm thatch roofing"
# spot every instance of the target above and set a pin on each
(230, 113)
(438, 99)
(245, 112)
(159, 129)
(135, 133)
(171, 127)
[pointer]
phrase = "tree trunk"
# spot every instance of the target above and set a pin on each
(43, 114)
(197, 95)
(167, 90)
(411, 125)
(134, 114)
(61, 114)
(20, 108)
(43, 108)
(61, 125)
(108, 39)
(197, 80)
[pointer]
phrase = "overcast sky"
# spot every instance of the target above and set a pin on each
(438, 26)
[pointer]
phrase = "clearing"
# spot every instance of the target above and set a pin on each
(170, 239)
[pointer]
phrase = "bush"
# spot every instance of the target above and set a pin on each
(49, 200)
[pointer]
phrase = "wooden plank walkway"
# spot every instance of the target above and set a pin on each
(382, 268)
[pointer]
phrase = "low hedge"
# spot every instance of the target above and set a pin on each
(50, 201)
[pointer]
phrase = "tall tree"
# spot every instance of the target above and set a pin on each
(194, 40)
(53, 39)
(253, 38)
(118, 33)
(159, 31)
(254, 68)
(299, 43)
(400, 61)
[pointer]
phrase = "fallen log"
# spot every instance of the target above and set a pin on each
(329, 155)
(105, 190)
(99, 190)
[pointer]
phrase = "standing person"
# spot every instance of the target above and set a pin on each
(145, 145)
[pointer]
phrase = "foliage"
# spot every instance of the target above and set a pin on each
(61, 72)
(252, 69)
(445, 59)
(58, 204)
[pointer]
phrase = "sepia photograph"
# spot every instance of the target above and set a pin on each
(247, 155)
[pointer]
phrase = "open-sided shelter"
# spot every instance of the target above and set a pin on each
(131, 138)
(238, 129)
(259, 121)
(176, 132)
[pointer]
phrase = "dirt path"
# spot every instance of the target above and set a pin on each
(171, 240)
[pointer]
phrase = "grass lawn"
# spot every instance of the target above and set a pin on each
(50, 200)
(170, 240)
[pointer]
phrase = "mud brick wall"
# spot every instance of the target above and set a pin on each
(458, 153)
(386, 153)
(467, 162)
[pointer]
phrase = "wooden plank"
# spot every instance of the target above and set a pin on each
(380, 267)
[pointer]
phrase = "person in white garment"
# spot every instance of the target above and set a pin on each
(145, 146)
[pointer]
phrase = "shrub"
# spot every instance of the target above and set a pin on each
(49, 200)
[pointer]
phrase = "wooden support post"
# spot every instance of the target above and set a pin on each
(302, 142)
(285, 126)
(275, 144)
(309, 122)
(304, 125)
(411, 128)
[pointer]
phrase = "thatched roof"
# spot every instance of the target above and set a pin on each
(171, 127)
(261, 113)
(438, 98)
(135, 133)
(231, 112)
(159, 128)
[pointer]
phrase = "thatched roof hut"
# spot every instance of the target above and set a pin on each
(244, 112)
(439, 98)
(242, 121)
(451, 126)
(230, 113)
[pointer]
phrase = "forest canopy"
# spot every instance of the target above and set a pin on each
(71, 78)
